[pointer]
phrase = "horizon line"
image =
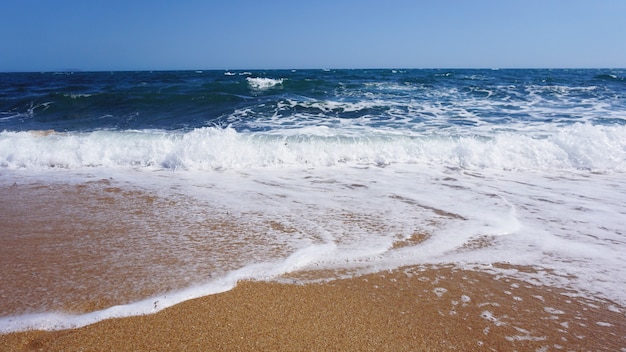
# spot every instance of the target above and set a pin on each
(200, 70)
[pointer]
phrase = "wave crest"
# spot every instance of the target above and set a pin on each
(579, 147)
(262, 83)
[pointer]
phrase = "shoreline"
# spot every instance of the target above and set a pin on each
(412, 308)
(417, 307)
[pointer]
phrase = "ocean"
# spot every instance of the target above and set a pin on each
(124, 193)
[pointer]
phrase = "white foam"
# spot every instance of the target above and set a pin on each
(440, 291)
(577, 147)
(487, 315)
(77, 95)
(348, 218)
(261, 83)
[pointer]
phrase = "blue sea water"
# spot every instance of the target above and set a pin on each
(320, 171)
(342, 109)
(418, 100)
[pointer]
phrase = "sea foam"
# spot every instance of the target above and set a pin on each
(261, 83)
(576, 147)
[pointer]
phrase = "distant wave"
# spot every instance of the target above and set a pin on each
(261, 83)
(610, 77)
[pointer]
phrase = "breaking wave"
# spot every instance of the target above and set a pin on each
(579, 147)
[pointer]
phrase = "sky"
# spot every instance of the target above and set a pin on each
(51, 35)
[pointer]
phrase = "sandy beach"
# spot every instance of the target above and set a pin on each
(413, 308)
(410, 309)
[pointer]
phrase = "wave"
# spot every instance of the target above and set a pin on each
(610, 77)
(184, 100)
(261, 83)
(575, 147)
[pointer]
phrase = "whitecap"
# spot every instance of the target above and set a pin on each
(262, 83)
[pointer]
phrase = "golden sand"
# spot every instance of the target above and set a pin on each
(410, 309)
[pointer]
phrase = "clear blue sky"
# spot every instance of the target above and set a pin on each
(40, 35)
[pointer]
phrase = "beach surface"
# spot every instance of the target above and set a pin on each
(417, 308)
(423, 307)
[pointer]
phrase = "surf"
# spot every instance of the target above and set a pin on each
(576, 147)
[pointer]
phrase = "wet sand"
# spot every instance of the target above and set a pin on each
(416, 308)
(91, 245)
(410, 309)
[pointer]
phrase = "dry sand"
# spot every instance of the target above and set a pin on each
(410, 309)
